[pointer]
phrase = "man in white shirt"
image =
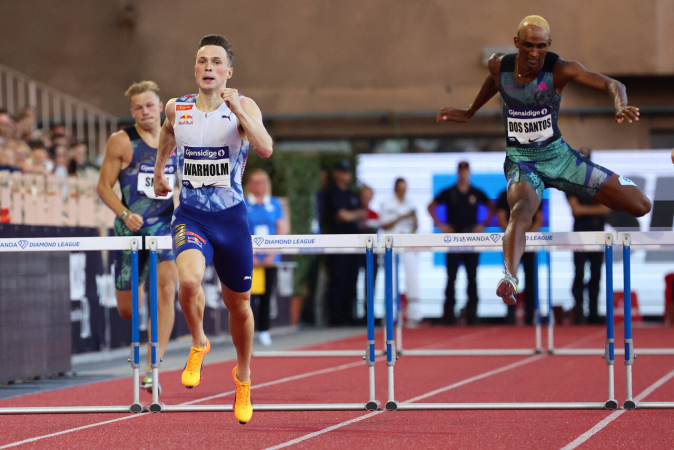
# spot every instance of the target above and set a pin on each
(398, 216)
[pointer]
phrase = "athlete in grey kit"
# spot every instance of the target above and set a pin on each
(531, 82)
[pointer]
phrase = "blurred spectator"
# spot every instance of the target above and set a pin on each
(588, 216)
(25, 123)
(461, 202)
(58, 135)
(528, 260)
(61, 161)
(399, 216)
(7, 159)
(7, 126)
(343, 213)
(369, 226)
(371, 223)
(40, 160)
(21, 156)
(265, 217)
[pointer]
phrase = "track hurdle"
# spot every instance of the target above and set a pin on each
(78, 245)
(480, 240)
(290, 244)
(654, 240)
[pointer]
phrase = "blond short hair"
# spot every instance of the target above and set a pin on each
(537, 21)
(140, 88)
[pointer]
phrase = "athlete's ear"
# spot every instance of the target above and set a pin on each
(161, 106)
(516, 41)
(230, 72)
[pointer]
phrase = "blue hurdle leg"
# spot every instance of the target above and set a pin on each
(609, 349)
(135, 329)
(551, 316)
(399, 312)
(154, 345)
(372, 404)
(537, 306)
(391, 404)
(627, 309)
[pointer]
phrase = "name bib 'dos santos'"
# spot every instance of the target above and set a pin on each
(206, 167)
(526, 126)
(146, 181)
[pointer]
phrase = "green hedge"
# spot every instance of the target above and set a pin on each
(296, 176)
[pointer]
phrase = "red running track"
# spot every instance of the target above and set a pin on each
(461, 379)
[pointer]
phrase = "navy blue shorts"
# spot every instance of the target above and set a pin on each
(223, 238)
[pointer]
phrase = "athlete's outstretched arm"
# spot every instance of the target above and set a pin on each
(488, 90)
(566, 71)
(250, 120)
(167, 143)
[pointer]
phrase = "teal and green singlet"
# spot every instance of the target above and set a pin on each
(536, 152)
(137, 184)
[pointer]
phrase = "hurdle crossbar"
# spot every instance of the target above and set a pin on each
(653, 240)
(130, 243)
(292, 244)
(481, 240)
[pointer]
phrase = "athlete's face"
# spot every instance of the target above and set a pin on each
(532, 44)
(146, 109)
(212, 69)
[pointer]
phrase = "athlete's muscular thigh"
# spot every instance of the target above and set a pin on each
(622, 196)
(191, 267)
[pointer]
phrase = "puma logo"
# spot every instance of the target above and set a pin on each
(247, 278)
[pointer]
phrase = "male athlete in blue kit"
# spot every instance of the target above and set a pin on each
(212, 131)
(530, 83)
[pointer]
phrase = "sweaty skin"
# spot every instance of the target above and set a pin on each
(532, 44)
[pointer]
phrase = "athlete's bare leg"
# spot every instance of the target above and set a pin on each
(191, 266)
(626, 198)
(241, 327)
(523, 203)
(124, 301)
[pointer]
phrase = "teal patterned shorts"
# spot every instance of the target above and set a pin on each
(123, 257)
(556, 165)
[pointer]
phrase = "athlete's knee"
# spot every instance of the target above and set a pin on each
(522, 212)
(125, 311)
(239, 309)
(190, 284)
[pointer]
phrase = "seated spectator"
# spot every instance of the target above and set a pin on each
(25, 123)
(7, 126)
(21, 154)
(7, 160)
(40, 161)
(60, 155)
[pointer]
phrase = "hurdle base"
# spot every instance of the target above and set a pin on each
(653, 405)
(373, 405)
(611, 405)
(67, 410)
(279, 407)
(473, 352)
(136, 408)
(156, 407)
(392, 405)
(496, 406)
(629, 405)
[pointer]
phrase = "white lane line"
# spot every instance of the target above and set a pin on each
(437, 391)
(72, 430)
(269, 383)
(613, 416)
(420, 397)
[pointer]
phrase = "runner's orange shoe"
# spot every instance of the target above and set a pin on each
(243, 406)
(192, 373)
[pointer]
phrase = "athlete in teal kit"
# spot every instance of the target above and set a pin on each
(130, 159)
(537, 157)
